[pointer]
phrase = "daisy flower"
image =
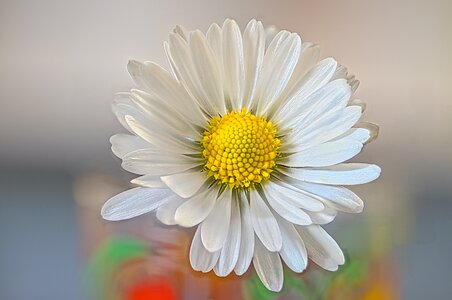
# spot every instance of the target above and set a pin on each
(246, 138)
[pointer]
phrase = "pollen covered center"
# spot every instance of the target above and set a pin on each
(240, 149)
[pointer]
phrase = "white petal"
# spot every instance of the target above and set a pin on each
(164, 113)
(156, 163)
(122, 144)
(156, 134)
(268, 267)
(150, 181)
(326, 128)
(293, 250)
(194, 210)
(339, 198)
(322, 248)
(215, 40)
(166, 212)
(264, 223)
(167, 90)
(230, 251)
(286, 210)
(325, 154)
(180, 57)
(315, 79)
(200, 258)
(153, 170)
(122, 107)
(253, 52)
(291, 196)
(331, 97)
(323, 217)
(247, 237)
(207, 70)
(185, 184)
(279, 63)
(309, 56)
(233, 64)
(153, 155)
(373, 129)
(341, 174)
(214, 229)
(361, 135)
(135, 70)
(133, 202)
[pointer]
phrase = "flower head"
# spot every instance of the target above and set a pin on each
(246, 138)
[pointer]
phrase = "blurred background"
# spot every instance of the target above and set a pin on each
(61, 63)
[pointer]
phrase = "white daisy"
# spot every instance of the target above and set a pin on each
(245, 138)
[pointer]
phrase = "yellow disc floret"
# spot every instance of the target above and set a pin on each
(240, 149)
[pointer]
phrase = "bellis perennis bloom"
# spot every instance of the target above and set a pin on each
(246, 138)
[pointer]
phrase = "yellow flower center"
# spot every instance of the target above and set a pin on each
(240, 149)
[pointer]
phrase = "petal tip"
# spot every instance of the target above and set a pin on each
(377, 170)
(275, 286)
(107, 213)
(133, 66)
